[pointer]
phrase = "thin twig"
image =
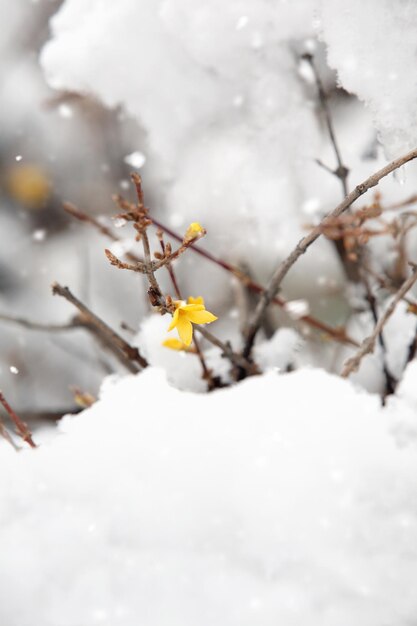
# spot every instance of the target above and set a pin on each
(390, 381)
(76, 323)
(412, 349)
(341, 172)
(212, 382)
(74, 211)
(238, 360)
(386, 283)
(21, 427)
(337, 334)
(120, 347)
(368, 345)
(48, 328)
(6, 435)
(154, 291)
(284, 267)
(140, 216)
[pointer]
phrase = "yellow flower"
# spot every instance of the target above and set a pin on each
(174, 344)
(194, 231)
(198, 300)
(186, 315)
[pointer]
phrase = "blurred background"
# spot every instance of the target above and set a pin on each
(55, 147)
(224, 122)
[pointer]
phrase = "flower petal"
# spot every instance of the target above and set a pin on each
(198, 300)
(185, 330)
(175, 319)
(201, 317)
(193, 307)
(173, 344)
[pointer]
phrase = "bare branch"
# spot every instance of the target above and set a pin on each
(238, 360)
(121, 265)
(368, 345)
(341, 172)
(74, 211)
(141, 224)
(305, 243)
(48, 328)
(129, 355)
(21, 427)
(390, 380)
(213, 382)
(155, 292)
(6, 435)
(337, 334)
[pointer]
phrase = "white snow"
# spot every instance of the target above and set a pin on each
(136, 159)
(290, 497)
(285, 499)
(221, 122)
(373, 47)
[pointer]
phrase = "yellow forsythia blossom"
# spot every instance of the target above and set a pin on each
(187, 314)
(174, 344)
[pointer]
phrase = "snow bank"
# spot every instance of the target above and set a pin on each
(231, 129)
(282, 500)
(373, 47)
(217, 90)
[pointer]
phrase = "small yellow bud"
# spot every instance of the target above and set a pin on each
(194, 231)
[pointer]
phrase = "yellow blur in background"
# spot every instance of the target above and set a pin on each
(28, 185)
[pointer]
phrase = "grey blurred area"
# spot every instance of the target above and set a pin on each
(55, 147)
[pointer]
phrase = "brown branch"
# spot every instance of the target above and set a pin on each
(49, 328)
(337, 334)
(238, 360)
(155, 292)
(103, 230)
(412, 349)
(176, 254)
(368, 345)
(129, 355)
(390, 381)
(121, 265)
(76, 323)
(21, 427)
(341, 172)
(284, 267)
(141, 223)
(400, 205)
(213, 382)
(386, 283)
(5, 434)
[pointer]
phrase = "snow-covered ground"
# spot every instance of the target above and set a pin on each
(288, 498)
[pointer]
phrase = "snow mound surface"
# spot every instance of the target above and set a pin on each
(373, 46)
(163, 508)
